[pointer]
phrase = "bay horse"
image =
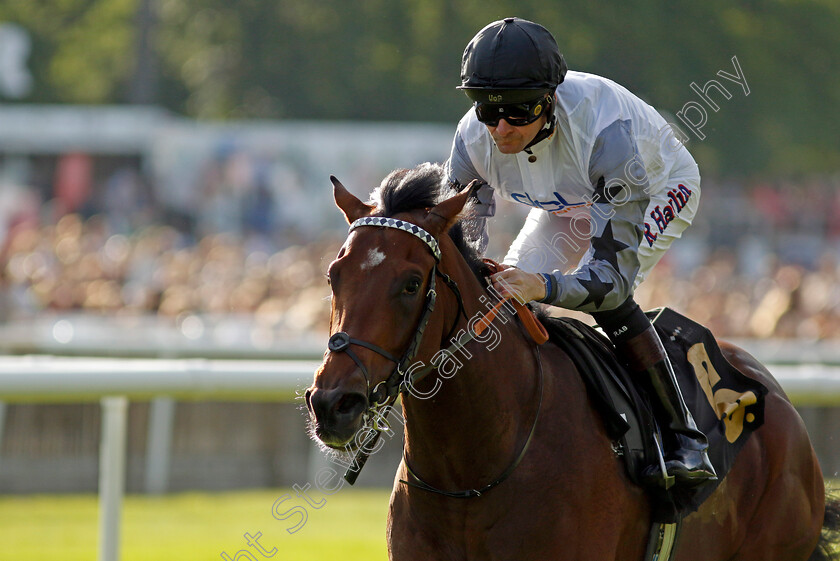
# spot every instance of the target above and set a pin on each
(513, 424)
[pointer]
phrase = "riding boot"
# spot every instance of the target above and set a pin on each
(686, 459)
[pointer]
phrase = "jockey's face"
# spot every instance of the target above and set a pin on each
(510, 139)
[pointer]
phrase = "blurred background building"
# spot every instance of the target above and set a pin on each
(164, 188)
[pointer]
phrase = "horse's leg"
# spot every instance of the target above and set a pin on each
(770, 505)
(786, 522)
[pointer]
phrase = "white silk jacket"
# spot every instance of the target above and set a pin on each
(610, 153)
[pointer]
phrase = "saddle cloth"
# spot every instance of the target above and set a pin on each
(727, 406)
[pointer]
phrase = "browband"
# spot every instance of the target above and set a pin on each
(413, 229)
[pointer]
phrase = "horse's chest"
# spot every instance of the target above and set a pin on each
(525, 529)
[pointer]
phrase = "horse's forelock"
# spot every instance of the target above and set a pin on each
(404, 190)
(422, 187)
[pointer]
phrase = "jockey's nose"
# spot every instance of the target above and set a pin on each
(504, 128)
(336, 413)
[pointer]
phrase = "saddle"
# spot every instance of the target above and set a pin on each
(726, 405)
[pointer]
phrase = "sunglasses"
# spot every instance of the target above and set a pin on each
(516, 114)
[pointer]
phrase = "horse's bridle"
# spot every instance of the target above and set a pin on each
(385, 392)
(402, 377)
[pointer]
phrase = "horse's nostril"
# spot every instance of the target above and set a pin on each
(308, 397)
(336, 414)
(350, 404)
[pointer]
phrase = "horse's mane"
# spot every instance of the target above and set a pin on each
(422, 187)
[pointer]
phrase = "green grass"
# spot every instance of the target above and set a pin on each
(197, 526)
(350, 526)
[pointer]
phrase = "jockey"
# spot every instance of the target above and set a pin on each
(610, 186)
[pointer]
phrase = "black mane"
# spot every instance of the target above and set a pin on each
(422, 187)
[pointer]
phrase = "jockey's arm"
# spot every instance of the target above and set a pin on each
(607, 273)
(605, 277)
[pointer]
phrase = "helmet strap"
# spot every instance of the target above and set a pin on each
(548, 128)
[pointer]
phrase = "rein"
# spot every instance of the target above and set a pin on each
(383, 396)
(473, 493)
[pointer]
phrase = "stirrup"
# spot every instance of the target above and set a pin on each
(693, 477)
(657, 475)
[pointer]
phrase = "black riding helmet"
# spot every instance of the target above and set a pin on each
(511, 61)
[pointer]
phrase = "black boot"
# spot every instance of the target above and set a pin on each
(686, 458)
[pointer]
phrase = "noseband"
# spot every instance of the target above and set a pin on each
(384, 395)
(387, 390)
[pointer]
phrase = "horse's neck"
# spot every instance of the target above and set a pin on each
(479, 412)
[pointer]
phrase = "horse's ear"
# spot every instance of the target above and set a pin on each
(352, 207)
(445, 213)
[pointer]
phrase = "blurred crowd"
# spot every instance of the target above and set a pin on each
(790, 301)
(781, 280)
(76, 265)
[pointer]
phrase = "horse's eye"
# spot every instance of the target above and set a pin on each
(412, 287)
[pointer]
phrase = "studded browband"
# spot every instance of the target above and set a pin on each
(414, 229)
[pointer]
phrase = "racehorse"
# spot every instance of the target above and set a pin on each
(512, 425)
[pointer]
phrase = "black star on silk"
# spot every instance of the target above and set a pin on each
(606, 195)
(596, 288)
(606, 247)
